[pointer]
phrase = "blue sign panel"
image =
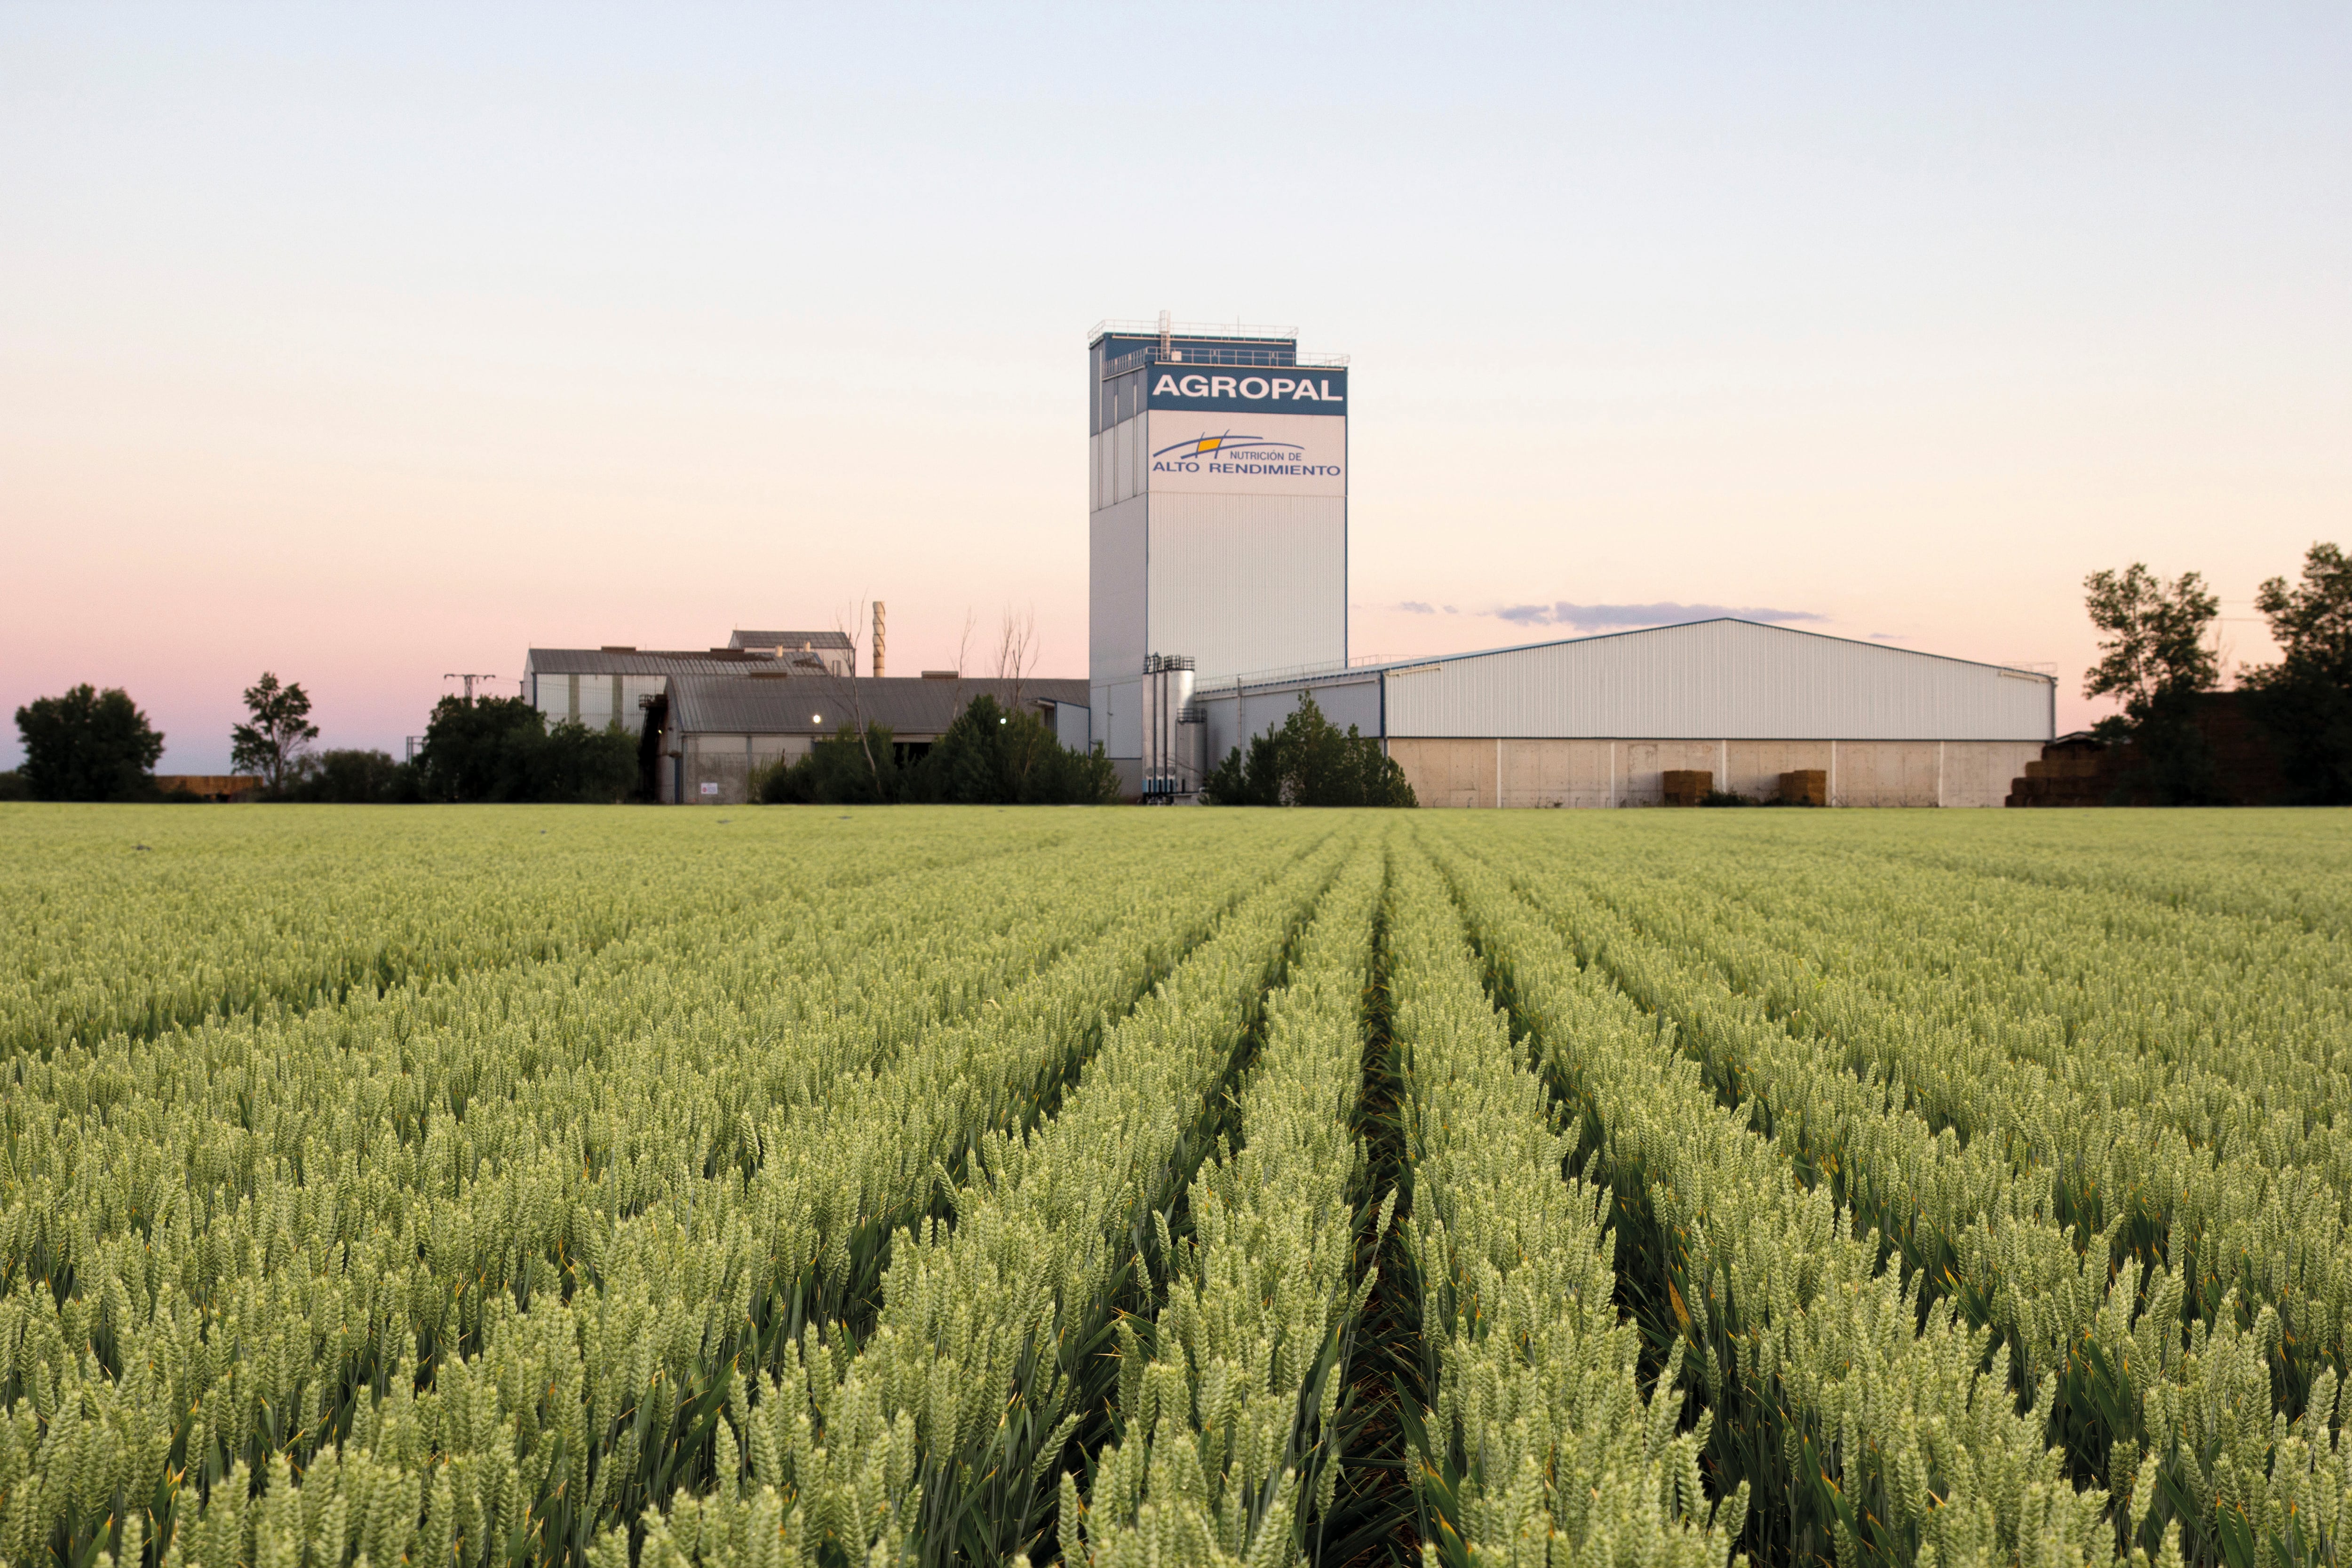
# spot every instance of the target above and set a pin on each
(1246, 389)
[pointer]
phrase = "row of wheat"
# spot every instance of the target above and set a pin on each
(998, 1188)
(2170, 1311)
(485, 1257)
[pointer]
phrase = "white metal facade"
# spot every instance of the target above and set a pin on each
(1727, 678)
(1597, 722)
(1245, 582)
(1115, 620)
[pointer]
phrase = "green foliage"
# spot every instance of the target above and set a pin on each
(995, 756)
(275, 742)
(2153, 657)
(13, 785)
(2305, 700)
(88, 745)
(353, 778)
(844, 768)
(990, 757)
(2154, 644)
(501, 748)
(1307, 762)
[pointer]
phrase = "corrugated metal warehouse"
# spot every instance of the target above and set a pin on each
(1598, 720)
(717, 730)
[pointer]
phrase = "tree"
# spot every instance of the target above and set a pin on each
(88, 745)
(1307, 762)
(280, 731)
(2304, 701)
(992, 756)
(2155, 648)
(502, 749)
(849, 767)
(2155, 658)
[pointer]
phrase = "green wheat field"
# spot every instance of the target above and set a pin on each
(1132, 1188)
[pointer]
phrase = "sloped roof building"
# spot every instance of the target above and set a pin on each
(1598, 720)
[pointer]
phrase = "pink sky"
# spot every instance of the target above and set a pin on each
(363, 349)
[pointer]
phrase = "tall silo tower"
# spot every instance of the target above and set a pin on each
(1218, 512)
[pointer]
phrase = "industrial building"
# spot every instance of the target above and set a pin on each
(1600, 721)
(600, 686)
(1218, 519)
(1218, 592)
(717, 732)
(1217, 597)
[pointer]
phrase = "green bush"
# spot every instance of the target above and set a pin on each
(844, 768)
(502, 749)
(355, 777)
(1309, 762)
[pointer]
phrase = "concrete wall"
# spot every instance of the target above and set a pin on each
(1581, 772)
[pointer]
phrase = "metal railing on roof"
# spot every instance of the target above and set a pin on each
(1247, 358)
(1295, 673)
(1104, 328)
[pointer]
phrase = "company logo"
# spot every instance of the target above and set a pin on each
(1226, 453)
(1252, 388)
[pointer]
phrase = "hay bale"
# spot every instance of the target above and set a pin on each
(1688, 787)
(1805, 786)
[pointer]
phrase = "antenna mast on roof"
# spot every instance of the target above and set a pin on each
(1163, 333)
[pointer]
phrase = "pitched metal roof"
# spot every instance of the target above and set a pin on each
(820, 704)
(792, 640)
(1657, 636)
(643, 661)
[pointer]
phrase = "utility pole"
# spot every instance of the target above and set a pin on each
(468, 678)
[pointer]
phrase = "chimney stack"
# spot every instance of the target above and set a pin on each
(877, 639)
